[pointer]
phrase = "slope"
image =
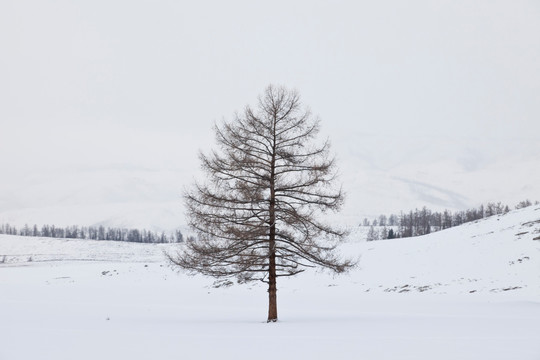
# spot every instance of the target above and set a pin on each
(466, 293)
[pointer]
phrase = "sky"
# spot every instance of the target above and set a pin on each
(430, 103)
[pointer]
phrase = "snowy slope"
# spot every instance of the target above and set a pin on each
(489, 255)
(20, 249)
(471, 292)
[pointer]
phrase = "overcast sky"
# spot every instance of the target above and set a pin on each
(89, 85)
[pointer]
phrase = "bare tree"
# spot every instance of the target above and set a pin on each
(257, 214)
(372, 234)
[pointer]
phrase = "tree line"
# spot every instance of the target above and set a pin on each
(424, 221)
(94, 233)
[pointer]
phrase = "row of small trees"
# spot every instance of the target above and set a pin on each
(93, 233)
(424, 221)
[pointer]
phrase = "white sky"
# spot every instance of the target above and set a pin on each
(402, 88)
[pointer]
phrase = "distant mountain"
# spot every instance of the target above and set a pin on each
(116, 198)
(455, 174)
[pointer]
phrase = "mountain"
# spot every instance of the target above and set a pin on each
(453, 175)
(128, 197)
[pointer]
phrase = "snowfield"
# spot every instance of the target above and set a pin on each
(470, 292)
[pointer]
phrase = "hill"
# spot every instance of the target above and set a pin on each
(470, 292)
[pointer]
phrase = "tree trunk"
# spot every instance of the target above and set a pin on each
(272, 290)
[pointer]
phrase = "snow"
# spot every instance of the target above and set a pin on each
(470, 292)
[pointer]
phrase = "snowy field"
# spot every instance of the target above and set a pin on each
(470, 292)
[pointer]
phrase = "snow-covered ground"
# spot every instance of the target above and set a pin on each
(470, 292)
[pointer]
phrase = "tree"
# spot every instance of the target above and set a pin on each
(523, 204)
(383, 234)
(257, 214)
(179, 237)
(101, 233)
(372, 234)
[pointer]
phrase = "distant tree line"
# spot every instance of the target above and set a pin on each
(94, 233)
(424, 221)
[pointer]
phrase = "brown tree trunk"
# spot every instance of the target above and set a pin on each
(272, 290)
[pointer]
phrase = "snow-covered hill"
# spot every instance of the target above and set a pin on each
(470, 292)
(496, 254)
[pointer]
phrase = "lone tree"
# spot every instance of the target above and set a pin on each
(257, 214)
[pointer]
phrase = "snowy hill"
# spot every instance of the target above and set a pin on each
(470, 292)
(491, 255)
